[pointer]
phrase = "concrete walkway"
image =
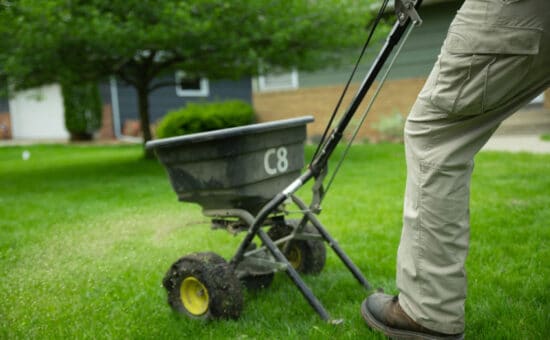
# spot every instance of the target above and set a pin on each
(517, 143)
(521, 132)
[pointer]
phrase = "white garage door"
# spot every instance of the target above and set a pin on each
(38, 114)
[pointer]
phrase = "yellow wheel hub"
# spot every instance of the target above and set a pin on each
(194, 296)
(294, 256)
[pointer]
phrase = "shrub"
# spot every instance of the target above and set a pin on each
(205, 117)
(391, 127)
(83, 112)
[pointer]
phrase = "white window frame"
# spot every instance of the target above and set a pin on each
(263, 83)
(203, 91)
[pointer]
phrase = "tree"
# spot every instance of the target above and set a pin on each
(140, 40)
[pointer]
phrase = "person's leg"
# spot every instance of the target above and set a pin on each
(465, 99)
(435, 236)
(475, 84)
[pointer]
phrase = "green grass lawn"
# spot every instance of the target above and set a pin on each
(87, 233)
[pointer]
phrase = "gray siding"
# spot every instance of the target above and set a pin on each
(4, 105)
(165, 99)
(417, 56)
(105, 91)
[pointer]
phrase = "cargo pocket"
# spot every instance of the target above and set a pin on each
(480, 67)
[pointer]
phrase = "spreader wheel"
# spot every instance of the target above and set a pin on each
(256, 282)
(306, 256)
(256, 278)
(202, 286)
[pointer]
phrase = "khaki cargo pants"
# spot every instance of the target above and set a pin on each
(496, 58)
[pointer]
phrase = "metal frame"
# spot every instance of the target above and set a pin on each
(280, 262)
(407, 15)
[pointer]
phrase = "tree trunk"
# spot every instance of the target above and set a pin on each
(143, 106)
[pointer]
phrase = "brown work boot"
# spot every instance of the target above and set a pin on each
(382, 312)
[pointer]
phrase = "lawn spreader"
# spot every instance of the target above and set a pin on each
(245, 180)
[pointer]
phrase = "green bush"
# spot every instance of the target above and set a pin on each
(83, 112)
(391, 127)
(205, 117)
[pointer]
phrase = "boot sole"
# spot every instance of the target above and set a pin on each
(399, 334)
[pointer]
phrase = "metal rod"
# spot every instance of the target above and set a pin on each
(328, 148)
(255, 227)
(334, 245)
(369, 106)
(255, 230)
(294, 276)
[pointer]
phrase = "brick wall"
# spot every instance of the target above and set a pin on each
(395, 96)
(5, 125)
(106, 132)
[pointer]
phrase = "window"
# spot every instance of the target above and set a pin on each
(278, 81)
(187, 86)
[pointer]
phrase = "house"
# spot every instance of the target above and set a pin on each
(288, 94)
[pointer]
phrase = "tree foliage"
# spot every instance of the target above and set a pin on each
(139, 40)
